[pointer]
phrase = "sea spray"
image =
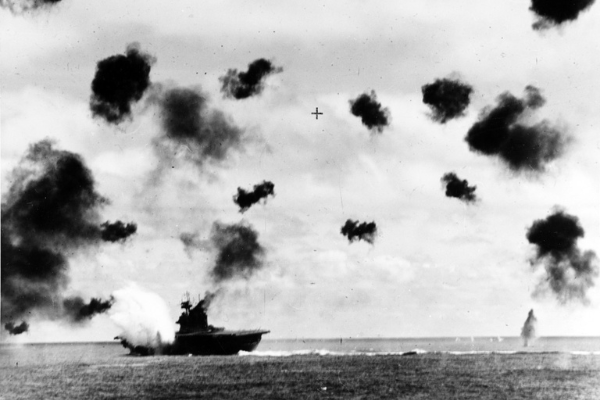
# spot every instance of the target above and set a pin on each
(143, 316)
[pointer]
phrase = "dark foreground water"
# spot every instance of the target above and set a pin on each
(440, 368)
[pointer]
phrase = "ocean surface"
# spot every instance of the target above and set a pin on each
(56, 353)
(463, 345)
(425, 368)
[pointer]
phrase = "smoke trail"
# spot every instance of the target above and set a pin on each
(246, 199)
(142, 316)
(241, 85)
(16, 329)
(190, 128)
(447, 98)
(120, 80)
(208, 299)
(239, 254)
(528, 330)
(569, 272)
(117, 231)
(551, 13)
(363, 231)
(51, 210)
(372, 115)
(455, 187)
(23, 6)
(499, 132)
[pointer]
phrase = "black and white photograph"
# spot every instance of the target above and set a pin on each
(267, 199)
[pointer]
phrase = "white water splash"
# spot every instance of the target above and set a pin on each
(143, 316)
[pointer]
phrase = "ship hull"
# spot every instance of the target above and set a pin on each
(203, 344)
(222, 343)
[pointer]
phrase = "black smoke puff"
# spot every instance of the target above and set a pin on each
(354, 230)
(241, 85)
(246, 199)
(239, 254)
(370, 111)
(557, 12)
(460, 189)
(120, 80)
(447, 98)
(569, 271)
(500, 132)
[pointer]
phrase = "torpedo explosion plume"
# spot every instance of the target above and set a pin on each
(246, 199)
(447, 98)
(460, 189)
(370, 111)
(51, 211)
(528, 330)
(193, 130)
(569, 271)
(239, 254)
(241, 85)
(557, 12)
(120, 81)
(354, 230)
(500, 132)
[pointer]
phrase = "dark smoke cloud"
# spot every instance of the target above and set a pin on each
(500, 132)
(246, 199)
(51, 211)
(117, 231)
(208, 299)
(23, 6)
(556, 12)
(77, 310)
(372, 115)
(201, 134)
(16, 329)
(239, 254)
(120, 80)
(447, 98)
(354, 230)
(569, 272)
(241, 85)
(455, 187)
(528, 330)
(192, 241)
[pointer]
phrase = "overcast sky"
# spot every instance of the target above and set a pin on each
(438, 267)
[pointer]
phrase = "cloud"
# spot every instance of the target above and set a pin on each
(460, 189)
(372, 115)
(246, 199)
(241, 85)
(500, 132)
(569, 271)
(556, 12)
(120, 80)
(447, 98)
